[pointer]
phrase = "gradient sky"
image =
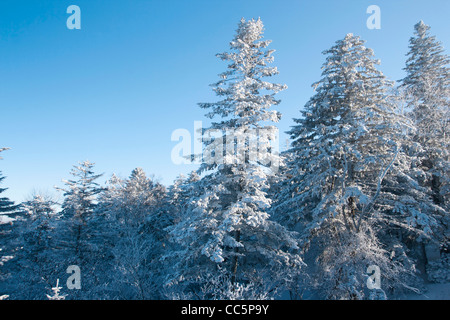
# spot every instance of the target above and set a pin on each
(114, 91)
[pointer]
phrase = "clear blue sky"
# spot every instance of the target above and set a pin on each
(114, 91)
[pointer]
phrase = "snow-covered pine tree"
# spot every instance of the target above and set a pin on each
(427, 83)
(345, 147)
(79, 229)
(427, 86)
(228, 231)
(9, 214)
(79, 203)
(35, 264)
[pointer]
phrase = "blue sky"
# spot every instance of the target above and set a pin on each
(114, 91)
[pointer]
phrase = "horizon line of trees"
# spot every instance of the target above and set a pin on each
(364, 183)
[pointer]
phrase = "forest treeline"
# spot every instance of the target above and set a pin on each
(363, 186)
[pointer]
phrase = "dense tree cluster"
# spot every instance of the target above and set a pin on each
(364, 184)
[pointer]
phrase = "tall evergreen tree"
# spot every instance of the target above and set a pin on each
(427, 85)
(80, 227)
(345, 148)
(228, 231)
(80, 202)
